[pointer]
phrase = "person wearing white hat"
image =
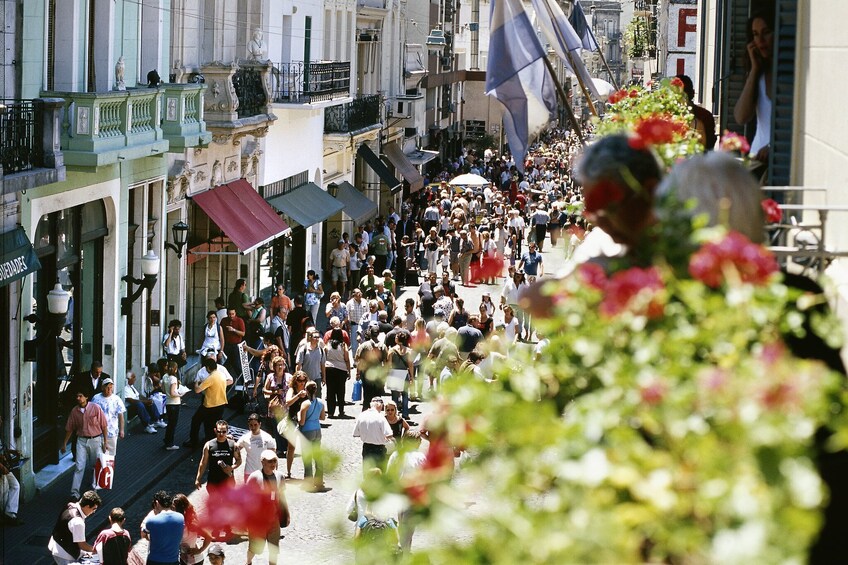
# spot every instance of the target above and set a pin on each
(114, 408)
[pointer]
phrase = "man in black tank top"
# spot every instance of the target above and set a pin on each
(222, 458)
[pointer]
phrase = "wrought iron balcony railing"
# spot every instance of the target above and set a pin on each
(299, 83)
(20, 146)
(355, 115)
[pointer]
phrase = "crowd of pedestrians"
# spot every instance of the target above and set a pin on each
(443, 239)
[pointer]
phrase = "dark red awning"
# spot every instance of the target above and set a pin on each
(241, 214)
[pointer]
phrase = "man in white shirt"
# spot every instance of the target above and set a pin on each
(114, 409)
(68, 540)
(374, 431)
(254, 442)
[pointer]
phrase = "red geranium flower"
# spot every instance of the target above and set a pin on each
(618, 96)
(439, 456)
(601, 195)
(772, 211)
(752, 262)
(656, 130)
(677, 83)
(624, 286)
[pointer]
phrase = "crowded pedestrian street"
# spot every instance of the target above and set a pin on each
(423, 281)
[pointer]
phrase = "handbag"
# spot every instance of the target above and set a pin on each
(357, 391)
(396, 379)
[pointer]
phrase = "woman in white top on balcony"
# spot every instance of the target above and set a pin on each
(755, 102)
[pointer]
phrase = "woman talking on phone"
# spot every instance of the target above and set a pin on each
(755, 101)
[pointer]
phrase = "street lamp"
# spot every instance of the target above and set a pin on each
(436, 40)
(150, 270)
(57, 311)
(179, 231)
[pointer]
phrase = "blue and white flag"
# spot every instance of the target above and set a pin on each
(565, 41)
(581, 26)
(517, 77)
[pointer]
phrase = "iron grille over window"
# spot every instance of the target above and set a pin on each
(20, 150)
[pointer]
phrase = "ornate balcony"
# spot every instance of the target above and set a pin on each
(29, 144)
(182, 116)
(299, 83)
(100, 128)
(352, 116)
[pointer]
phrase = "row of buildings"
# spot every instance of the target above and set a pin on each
(155, 151)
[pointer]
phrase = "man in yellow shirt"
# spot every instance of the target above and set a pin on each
(215, 399)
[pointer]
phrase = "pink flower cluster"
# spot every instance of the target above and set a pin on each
(623, 287)
(772, 211)
(656, 130)
(735, 253)
(734, 142)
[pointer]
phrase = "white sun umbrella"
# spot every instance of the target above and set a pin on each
(469, 180)
(604, 88)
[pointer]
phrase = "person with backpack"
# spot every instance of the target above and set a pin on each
(113, 544)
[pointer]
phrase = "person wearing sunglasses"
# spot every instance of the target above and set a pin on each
(221, 456)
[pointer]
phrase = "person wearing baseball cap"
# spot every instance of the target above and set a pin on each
(114, 409)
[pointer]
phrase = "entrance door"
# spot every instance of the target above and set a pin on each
(69, 245)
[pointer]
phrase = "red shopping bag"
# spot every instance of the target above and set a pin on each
(104, 470)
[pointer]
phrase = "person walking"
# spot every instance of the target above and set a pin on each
(164, 530)
(270, 480)
(254, 442)
(370, 358)
(313, 292)
(89, 424)
(374, 431)
(312, 412)
(215, 397)
(356, 308)
(114, 409)
(173, 402)
(68, 540)
(337, 372)
(312, 359)
(174, 344)
(221, 457)
(295, 396)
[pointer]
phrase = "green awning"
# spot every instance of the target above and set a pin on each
(306, 204)
(17, 257)
(380, 168)
(356, 205)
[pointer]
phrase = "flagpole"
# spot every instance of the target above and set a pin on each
(568, 54)
(603, 59)
(572, 118)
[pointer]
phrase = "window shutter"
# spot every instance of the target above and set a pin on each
(733, 62)
(51, 44)
(785, 36)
